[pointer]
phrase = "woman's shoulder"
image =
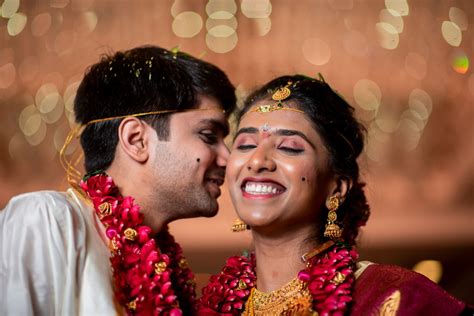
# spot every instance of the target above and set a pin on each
(391, 289)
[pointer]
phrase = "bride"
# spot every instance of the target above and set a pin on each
(294, 181)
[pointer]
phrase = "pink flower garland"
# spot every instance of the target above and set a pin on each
(329, 279)
(149, 279)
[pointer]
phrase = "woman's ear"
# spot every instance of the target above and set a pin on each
(134, 139)
(342, 187)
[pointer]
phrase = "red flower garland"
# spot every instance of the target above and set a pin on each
(149, 279)
(329, 279)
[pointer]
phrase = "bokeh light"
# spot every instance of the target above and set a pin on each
(263, 25)
(58, 4)
(367, 94)
(316, 51)
(90, 20)
(187, 24)
(399, 6)
(221, 9)
(7, 75)
(221, 44)
(458, 17)
(29, 120)
(393, 18)
(432, 269)
(460, 63)
(178, 7)
(16, 24)
(9, 8)
(256, 9)
(41, 24)
(451, 33)
(387, 35)
(420, 102)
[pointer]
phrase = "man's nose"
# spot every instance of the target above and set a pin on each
(222, 155)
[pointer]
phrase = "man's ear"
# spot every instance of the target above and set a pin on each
(134, 139)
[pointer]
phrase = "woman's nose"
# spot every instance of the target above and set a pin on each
(261, 160)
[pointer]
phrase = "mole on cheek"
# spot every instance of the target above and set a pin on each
(303, 179)
(198, 160)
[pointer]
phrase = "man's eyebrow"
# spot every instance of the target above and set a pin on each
(279, 132)
(218, 124)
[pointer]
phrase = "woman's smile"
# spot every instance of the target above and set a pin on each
(261, 188)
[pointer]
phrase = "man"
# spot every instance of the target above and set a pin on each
(153, 121)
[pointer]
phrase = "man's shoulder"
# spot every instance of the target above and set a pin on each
(34, 205)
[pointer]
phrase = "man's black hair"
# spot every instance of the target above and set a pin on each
(139, 80)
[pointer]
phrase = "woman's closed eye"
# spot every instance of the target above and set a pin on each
(246, 147)
(291, 146)
(291, 150)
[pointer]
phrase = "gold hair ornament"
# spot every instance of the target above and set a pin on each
(279, 95)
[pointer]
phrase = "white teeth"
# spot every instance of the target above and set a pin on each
(253, 188)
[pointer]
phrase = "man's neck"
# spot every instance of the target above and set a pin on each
(130, 183)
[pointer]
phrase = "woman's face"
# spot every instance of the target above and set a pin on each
(277, 172)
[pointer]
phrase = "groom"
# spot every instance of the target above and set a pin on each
(153, 124)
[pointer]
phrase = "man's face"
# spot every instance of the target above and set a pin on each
(188, 168)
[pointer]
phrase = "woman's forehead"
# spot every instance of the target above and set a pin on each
(282, 119)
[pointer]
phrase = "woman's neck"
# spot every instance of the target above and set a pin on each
(279, 259)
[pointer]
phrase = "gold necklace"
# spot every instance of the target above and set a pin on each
(292, 298)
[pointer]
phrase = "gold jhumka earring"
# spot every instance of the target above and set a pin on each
(332, 230)
(239, 226)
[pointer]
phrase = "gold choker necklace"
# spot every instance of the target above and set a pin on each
(292, 298)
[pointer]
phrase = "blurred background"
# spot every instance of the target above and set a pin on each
(403, 64)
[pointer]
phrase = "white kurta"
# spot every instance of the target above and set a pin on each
(53, 260)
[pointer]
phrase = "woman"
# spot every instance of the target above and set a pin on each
(294, 181)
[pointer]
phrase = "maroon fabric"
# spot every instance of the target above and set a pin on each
(419, 295)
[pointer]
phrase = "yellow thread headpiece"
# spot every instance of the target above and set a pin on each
(70, 166)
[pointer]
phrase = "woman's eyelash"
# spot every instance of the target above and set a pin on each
(246, 147)
(291, 150)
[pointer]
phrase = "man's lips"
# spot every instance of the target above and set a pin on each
(216, 180)
(261, 188)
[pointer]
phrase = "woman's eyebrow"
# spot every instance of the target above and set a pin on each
(279, 132)
(246, 130)
(292, 132)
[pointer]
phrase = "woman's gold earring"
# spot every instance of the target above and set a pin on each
(239, 226)
(332, 230)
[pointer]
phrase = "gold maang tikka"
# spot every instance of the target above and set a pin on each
(279, 95)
